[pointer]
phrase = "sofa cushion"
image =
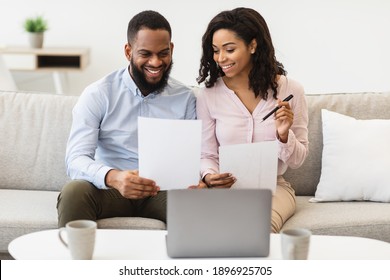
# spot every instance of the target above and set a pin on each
(359, 218)
(23, 211)
(355, 159)
(133, 223)
(32, 146)
(358, 105)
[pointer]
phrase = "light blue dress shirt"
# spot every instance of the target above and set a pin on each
(104, 133)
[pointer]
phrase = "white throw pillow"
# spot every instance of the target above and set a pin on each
(355, 159)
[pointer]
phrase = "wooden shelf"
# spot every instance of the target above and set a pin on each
(53, 59)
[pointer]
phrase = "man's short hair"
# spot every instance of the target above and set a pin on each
(147, 19)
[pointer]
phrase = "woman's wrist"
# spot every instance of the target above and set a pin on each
(204, 181)
(282, 138)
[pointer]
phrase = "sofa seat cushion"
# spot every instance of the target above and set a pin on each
(133, 223)
(358, 218)
(24, 211)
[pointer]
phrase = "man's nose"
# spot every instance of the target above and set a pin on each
(154, 60)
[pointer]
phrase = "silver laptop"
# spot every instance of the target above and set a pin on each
(218, 222)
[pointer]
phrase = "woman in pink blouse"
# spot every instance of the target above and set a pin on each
(243, 82)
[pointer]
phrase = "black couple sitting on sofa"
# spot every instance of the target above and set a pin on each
(237, 49)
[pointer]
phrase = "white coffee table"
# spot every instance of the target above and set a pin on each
(150, 244)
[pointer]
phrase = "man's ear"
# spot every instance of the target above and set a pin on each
(172, 46)
(128, 51)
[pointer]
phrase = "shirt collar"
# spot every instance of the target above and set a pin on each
(130, 84)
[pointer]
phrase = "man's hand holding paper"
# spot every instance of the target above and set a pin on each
(169, 152)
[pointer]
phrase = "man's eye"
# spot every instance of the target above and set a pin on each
(164, 54)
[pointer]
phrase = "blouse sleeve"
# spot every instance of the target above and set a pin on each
(209, 150)
(294, 152)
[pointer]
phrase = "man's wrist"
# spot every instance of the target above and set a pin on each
(108, 180)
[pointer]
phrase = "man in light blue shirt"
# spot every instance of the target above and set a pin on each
(102, 150)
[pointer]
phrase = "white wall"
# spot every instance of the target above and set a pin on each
(329, 46)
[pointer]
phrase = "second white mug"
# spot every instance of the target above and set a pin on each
(295, 244)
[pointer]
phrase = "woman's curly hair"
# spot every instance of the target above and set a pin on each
(247, 24)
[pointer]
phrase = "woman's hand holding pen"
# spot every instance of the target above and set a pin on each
(284, 118)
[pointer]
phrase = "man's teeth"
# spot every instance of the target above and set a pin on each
(153, 71)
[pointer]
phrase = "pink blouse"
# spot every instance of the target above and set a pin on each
(226, 121)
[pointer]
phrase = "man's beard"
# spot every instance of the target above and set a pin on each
(146, 87)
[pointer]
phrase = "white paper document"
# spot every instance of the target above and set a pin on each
(255, 165)
(169, 151)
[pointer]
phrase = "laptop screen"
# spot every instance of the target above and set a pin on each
(218, 222)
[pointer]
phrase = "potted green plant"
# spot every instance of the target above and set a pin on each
(36, 27)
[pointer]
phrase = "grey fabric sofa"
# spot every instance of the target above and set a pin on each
(34, 129)
(357, 218)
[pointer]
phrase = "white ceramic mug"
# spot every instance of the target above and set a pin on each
(295, 244)
(80, 238)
